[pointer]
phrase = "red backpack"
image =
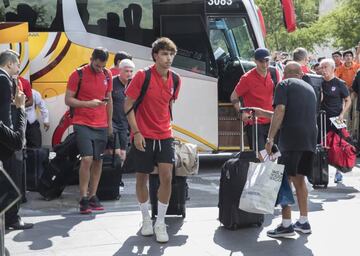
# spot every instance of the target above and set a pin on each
(342, 154)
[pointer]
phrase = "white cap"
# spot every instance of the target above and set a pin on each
(126, 63)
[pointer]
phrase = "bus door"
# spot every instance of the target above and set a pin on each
(233, 43)
(195, 114)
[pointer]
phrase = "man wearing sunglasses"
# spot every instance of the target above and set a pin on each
(256, 88)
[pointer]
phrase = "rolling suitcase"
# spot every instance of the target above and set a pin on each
(179, 192)
(319, 176)
(232, 181)
(109, 184)
(54, 178)
(36, 160)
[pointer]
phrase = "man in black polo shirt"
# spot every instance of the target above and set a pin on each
(336, 99)
(295, 117)
(120, 123)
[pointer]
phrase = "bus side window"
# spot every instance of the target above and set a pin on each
(41, 16)
(189, 34)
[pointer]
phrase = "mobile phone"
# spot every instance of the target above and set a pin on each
(105, 100)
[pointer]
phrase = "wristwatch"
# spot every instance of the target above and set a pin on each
(269, 140)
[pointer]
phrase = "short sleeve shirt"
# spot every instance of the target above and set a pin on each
(334, 91)
(298, 130)
(93, 86)
(26, 86)
(256, 91)
(114, 71)
(118, 95)
(347, 73)
(153, 114)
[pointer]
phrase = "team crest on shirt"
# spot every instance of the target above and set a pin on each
(333, 88)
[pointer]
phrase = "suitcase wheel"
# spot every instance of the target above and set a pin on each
(184, 214)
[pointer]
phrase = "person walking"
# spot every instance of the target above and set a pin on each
(151, 132)
(90, 97)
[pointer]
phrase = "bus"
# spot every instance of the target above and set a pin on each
(216, 40)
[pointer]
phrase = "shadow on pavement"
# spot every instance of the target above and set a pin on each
(40, 236)
(140, 245)
(245, 241)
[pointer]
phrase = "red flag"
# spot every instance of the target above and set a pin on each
(289, 15)
(262, 22)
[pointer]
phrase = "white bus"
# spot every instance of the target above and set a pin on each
(216, 40)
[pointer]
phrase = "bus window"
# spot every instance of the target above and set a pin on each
(39, 14)
(242, 37)
(218, 44)
(185, 31)
(127, 20)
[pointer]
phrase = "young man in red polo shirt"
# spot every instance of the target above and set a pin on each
(92, 122)
(152, 134)
(256, 89)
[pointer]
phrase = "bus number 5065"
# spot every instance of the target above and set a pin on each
(219, 2)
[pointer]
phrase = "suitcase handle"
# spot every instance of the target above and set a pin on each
(254, 130)
(323, 128)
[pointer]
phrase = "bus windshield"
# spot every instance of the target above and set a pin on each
(231, 35)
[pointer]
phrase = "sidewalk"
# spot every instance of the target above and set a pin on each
(60, 230)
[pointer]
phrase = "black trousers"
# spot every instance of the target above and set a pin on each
(14, 166)
(263, 130)
(33, 135)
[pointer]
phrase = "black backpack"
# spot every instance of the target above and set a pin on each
(145, 86)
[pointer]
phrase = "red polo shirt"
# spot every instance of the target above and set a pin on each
(25, 86)
(93, 86)
(114, 71)
(153, 115)
(256, 91)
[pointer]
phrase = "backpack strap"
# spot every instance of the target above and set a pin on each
(80, 73)
(273, 75)
(176, 79)
(144, 88)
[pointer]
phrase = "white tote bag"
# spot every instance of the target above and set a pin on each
(262, 186)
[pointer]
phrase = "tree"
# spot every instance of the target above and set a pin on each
(340, 28)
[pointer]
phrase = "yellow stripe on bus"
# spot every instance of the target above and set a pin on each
(194, 136)
(14, 34)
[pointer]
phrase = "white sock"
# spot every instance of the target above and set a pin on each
(144, 207)
(162, 208)
(303, 219)
(286, 223)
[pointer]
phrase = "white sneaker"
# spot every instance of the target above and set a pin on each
(147, 228)
(160, 232)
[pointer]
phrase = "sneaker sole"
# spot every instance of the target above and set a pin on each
(97, 209)
(86, 212)
(304, 231)
(281, 235)
(150, 234)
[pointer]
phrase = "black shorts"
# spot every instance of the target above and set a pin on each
(120, 139)
(91, 141)
(297, 162)
(156, 151)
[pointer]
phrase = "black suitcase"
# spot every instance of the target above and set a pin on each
(319, 176)
(54, 178)
(179, 192)
(232, 182)
(109, 184)
(36, 160)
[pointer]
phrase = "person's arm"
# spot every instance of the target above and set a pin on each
(39, 102)
(15, 139)
(70, 99)
(275, 125)
(109, 110)
(240, 89)
(139, 140)
(347, 104)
